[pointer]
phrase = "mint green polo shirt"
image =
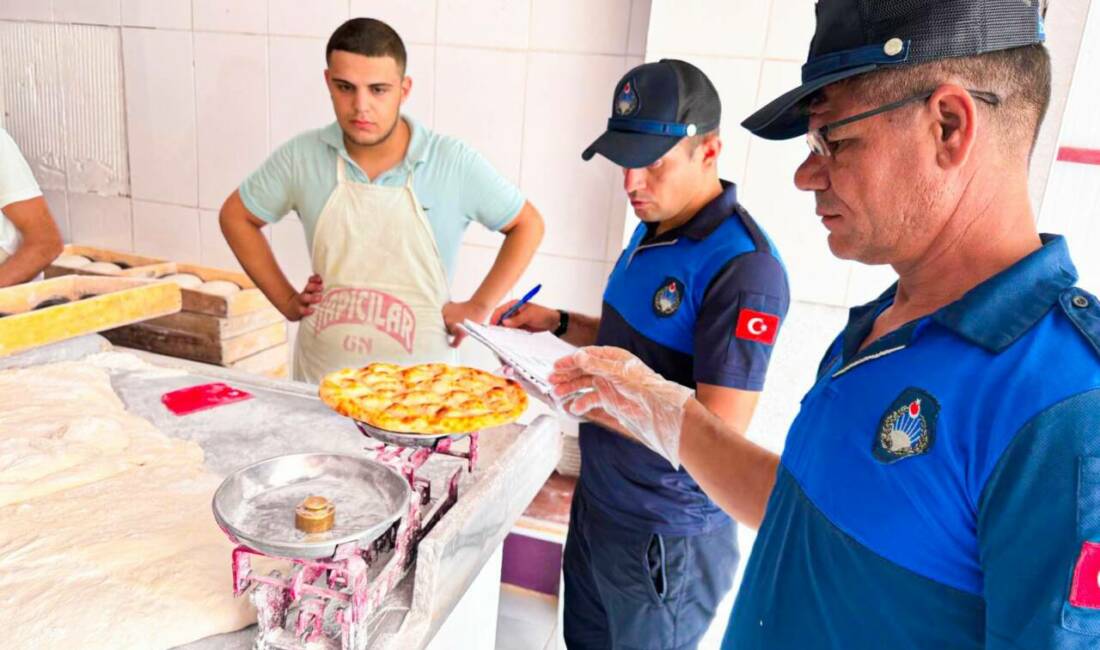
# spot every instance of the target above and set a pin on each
(454, 184)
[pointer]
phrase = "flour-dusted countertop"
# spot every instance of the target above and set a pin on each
(287, 417)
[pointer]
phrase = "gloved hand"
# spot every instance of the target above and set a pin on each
(648, 406)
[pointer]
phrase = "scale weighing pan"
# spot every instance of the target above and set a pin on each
(255, 505)
(400, 439)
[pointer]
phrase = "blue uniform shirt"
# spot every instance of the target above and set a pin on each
(701, 303)
(940, 488)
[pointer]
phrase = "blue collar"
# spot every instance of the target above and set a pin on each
(993, 314)
(705, 221)
(416, 154)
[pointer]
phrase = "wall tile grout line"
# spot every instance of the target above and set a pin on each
(126, 129)
(523, 100)
(435, 61)
(195, 106)
(571, 258)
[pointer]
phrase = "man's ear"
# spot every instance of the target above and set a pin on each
(711, 148)
(406, 88)
(954, 116)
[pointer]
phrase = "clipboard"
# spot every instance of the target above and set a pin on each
(531, 355)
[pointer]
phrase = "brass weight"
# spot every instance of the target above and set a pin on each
(315, 514)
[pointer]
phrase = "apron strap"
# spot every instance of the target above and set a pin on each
(341, 167)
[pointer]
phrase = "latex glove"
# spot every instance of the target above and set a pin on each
(645, 404)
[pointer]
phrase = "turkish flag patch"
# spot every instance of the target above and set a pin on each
(1085, 590)
(757, 326)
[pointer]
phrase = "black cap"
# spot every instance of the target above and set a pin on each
(857, 36)
(655, 105)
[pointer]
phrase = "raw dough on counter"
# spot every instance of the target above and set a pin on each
(72, 261)
(63, 426)
(102, 267)
(219, 288)
(185, 280)
(108, 540)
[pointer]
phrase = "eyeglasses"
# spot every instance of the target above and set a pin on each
(822, 146)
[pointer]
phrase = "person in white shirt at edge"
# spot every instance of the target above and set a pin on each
(384, 203)
(29, 239)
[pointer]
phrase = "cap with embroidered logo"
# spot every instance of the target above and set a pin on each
(854, 37)
(655, 105)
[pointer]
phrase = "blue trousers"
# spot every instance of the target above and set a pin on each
(629, 590)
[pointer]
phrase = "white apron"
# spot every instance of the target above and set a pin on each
(384, 283)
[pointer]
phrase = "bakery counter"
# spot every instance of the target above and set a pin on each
(285, 417)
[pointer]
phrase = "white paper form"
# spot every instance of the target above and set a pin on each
(532, 356)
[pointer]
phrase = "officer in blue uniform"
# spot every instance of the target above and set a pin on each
(699, 294)
(940, 487)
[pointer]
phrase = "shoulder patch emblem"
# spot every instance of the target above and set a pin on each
(1085, 589)
(758, 326)
(626, 101)
(908, 428)
(668, 297)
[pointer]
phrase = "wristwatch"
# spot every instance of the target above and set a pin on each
(563, 323)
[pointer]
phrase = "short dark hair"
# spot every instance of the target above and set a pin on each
(369, 37)
(1020, 76)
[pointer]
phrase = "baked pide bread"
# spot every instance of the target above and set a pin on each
(432, 398)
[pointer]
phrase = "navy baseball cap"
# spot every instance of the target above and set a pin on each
(854, 37)
(655, 105)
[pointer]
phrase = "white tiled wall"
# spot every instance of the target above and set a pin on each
(286, 17)
(241, 16)
(160, 109)
(231, 103)
(102, 221)
(164, 230)
(298, 98)
(415, 20)
(484, 23)
(577, 194)
(494, 123)
(165, 14)
(96, 12)
(1071, 204)
(1066, 28)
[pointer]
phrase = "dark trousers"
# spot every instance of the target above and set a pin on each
(628, 590)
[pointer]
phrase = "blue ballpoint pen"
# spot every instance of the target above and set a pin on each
(515, 308)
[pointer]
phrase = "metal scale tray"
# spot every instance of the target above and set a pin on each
(399, 439)
(255, 505)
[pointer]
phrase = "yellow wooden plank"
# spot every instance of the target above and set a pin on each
(113, 302)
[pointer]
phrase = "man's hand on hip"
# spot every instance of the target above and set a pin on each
(300, 305)
(456, 312)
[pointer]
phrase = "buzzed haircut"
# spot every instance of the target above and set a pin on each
(368, 37)
(1019, 76)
